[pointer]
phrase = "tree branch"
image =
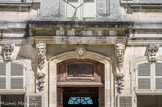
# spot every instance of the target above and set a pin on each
(76, 8)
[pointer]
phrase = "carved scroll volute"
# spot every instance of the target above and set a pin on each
(41, 57)
(80, 51)
(152, 50)
(119, 52)
(8, 52)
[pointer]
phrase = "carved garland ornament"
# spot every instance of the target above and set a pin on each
(8, 51)
(41, 56)
(80, 51)
(120, 51)
(152, 50)
(119, 82)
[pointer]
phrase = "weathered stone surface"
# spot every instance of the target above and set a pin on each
(128, 22)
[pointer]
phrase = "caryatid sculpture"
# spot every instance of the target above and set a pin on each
(41, 57)
(120, 51)
(8, 51)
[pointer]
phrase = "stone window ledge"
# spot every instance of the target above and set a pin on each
(17, 4)
(144, 4)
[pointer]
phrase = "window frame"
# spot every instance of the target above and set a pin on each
(152, 78)
(81, 11)
(125, 95)
(8, 76)
(34, 95)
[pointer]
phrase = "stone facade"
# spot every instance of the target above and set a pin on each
(123, 35)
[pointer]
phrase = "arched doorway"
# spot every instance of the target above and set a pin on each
(55, 87)
(79, 83)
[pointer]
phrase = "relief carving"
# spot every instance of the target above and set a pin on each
(41, 56)
(152, 51)
(80, 51)
(120, 51)
(119, 82)
(8, 51)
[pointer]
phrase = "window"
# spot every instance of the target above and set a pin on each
(12, 75)
(81, 9)
(80, 100)
(149, 76)
(35, 100)
(125, 100)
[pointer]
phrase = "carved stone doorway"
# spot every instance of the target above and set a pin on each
(80, 83)
(59, 77)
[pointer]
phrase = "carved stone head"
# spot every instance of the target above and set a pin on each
(120, 50)
(152, 50)
(41, 49)
(8, 51)
(80, 51)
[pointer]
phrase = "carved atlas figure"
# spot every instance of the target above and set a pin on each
(41, 56)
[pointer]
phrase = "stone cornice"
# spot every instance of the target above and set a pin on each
(144, 41)
(77, 24)
(65, 40)
(81, 40)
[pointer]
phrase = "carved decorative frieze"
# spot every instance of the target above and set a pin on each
(80, 51)
(120, 83)
(152, 50)
(8, 51)
(41, 56)
(119, 51)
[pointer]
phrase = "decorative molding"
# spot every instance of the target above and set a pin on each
(80, 51)
(119, 82)
(8, 51)
(119, 51)
(152, 50)
(41, 56)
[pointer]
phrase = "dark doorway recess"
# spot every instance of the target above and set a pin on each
(149, 101)
(81, 97)
(12, 100)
